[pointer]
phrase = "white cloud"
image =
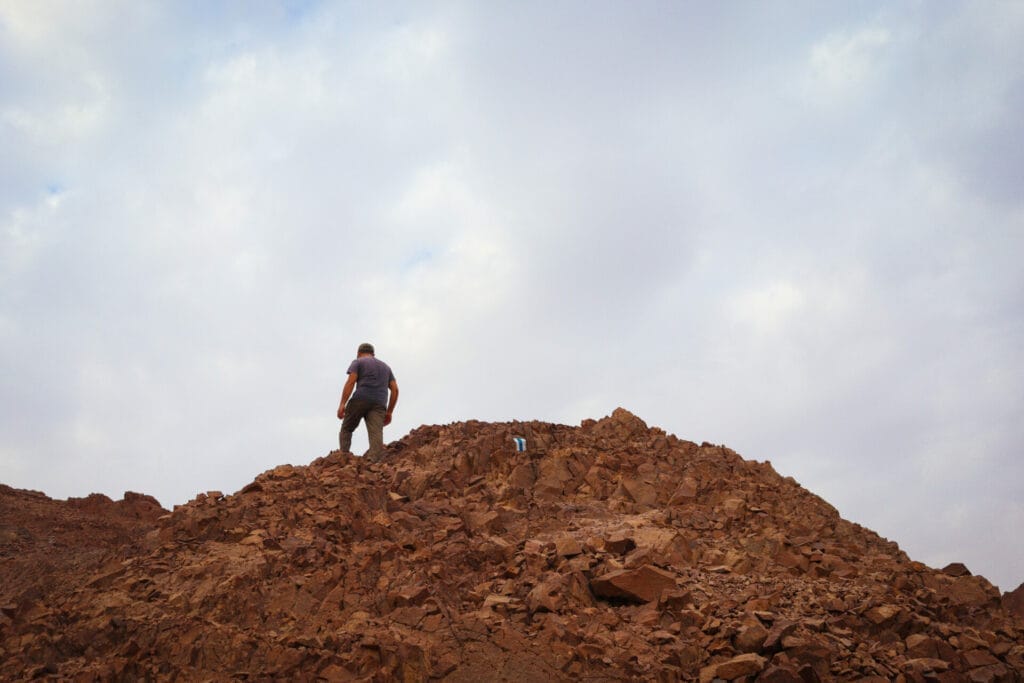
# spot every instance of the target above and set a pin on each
(24, 234)
(63, 125)
(766, 309)
(40, 22)
(409, 53)
(842, 65)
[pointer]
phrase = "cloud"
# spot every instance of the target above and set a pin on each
(765, 309)
(843, 64)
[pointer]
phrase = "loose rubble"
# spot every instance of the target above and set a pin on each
(605, 552)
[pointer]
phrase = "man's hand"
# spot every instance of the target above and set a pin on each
(350, 384)
(393, 389)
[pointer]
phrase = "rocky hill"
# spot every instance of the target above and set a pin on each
(605, 552)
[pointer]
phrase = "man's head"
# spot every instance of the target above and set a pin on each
(365, 349)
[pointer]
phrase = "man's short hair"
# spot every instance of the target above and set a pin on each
(365, 348)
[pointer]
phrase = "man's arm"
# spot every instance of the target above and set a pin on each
(350, 384)
(393, 387)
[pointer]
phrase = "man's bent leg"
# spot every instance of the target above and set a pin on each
(354, 412)
(375, 430)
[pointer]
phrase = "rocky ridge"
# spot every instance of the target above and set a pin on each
(609, 551)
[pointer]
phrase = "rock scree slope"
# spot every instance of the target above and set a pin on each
(605, 552)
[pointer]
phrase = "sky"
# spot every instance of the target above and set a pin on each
(793, 228)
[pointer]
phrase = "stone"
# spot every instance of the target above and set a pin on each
(1013, 601)
(522, 477)
(750, 638)
(779, 674)
(619, 544)
(567, 546)
(734, 507)
(956, 569)
(798, 563)
(642, 584)
(676, 600)
(742, 665)
(925, 665)
(920, 646)
(881, 614)
(781, 629)
(410, 595)
(547, 595)
(976, 658)
(812, 657)
(685, 493)
(639, 491)
(737, 561)
(989, 674)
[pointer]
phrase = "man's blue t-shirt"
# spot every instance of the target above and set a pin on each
(372, 379)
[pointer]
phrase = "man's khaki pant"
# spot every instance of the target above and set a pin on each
(373, 413)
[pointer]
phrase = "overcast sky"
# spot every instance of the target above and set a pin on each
(794, 228)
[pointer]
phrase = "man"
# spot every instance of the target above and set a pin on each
(372, 380)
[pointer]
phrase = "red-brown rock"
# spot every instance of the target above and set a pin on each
(743, 665)
(1014, 601)
(611, 551)
(642, 584)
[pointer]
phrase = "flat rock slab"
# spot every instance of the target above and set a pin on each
(642, 584)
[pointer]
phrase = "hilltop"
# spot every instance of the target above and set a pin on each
(604, 552)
